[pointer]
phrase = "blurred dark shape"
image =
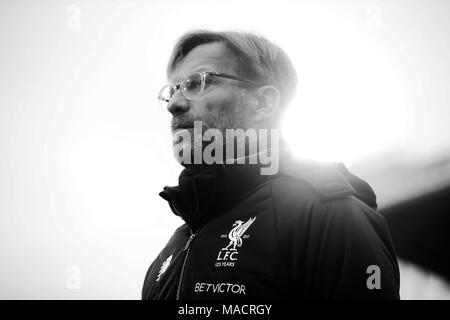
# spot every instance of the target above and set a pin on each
(420, 229)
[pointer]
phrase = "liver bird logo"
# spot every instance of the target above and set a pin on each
(235, 235)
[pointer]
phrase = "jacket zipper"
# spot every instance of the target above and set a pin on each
(187, 248)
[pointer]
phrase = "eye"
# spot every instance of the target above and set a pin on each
(193, 84)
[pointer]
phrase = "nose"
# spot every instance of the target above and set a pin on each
(178, 104)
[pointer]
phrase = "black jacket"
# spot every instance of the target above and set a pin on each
(310, 231)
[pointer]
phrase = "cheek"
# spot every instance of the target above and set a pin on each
(228, 100)
(211, 106)
(217, 106)
(224, 110)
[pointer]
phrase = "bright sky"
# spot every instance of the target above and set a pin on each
(86, 149)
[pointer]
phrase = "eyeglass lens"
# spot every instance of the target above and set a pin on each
(192, 87)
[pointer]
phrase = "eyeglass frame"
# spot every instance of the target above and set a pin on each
(204, 74)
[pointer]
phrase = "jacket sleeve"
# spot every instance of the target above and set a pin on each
(339, 249)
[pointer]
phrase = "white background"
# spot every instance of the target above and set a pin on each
(85, 148)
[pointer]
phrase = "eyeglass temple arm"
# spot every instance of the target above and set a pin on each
(222, 75)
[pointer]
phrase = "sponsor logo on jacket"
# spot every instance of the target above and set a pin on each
(164, 267)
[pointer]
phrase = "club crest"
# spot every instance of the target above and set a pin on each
(229, 254)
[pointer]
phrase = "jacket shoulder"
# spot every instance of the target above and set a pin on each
(320, 193)
(326, 180)
(331, 235)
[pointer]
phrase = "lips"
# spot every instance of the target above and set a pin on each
(178, 124)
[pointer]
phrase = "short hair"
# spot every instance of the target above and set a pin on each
(258, 59)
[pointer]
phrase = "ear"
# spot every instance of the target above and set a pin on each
(268, 100)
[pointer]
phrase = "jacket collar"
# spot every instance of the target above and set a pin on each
(205, 192)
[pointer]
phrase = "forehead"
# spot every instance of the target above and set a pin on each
(213, 56)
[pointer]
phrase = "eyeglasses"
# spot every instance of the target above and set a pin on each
(193, 86)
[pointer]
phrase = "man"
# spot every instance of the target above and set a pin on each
(308, 230)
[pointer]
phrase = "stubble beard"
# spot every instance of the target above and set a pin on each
(230, 116)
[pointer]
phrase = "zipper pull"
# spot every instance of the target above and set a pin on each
(188, 243)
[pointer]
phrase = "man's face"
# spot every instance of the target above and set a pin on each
(222, 104)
